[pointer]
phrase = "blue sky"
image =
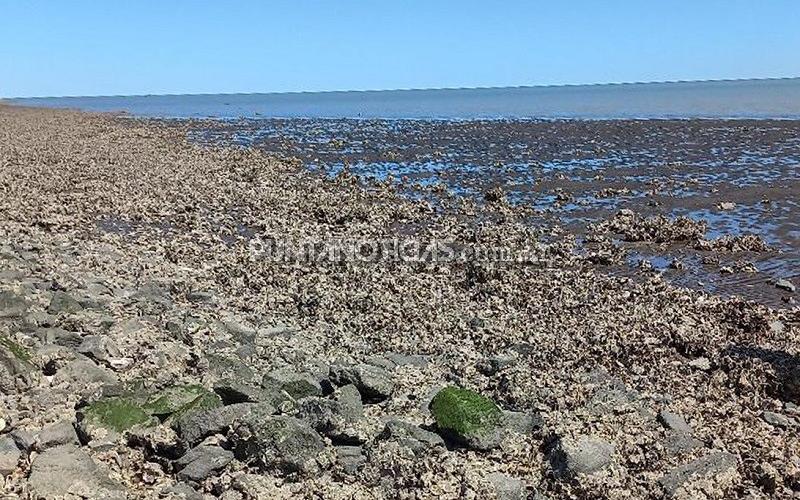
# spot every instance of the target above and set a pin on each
(109, 47)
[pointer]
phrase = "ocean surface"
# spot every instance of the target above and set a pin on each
(772, 98)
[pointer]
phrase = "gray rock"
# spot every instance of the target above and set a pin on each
(196, 426)
(83, 372)
(674, 422)
(507, 487)
(713, 464)
(678, 433)
(374, 383)
(334, 417)
(9, 455)
(778, 420)
(582, 455)
(63, 303)
(350, 458)
(407, 359)
(296, 384)
(59, 336)
(522, 422)
(56, 434)
(99, 348)
(276, 442)
(229, 368)
(785, 285)
(201, 462)
(410, 436)
(24, 439)
(68, 472)
(12, 305)
(232, 392)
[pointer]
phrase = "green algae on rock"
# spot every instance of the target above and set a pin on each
(117, 413)
(172, 399)
(467, 417)
(205, 401)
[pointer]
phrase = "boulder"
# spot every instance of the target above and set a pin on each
(12, 305)
(9, 455)
(582, 455)
(68, 472)
(196, 426)
(56, 434)
(374, 383)
(410, 436)
(507, 487)
(717, 467)
(63, 303)
(350, 458)
(467, 417)
(276, 442)
(298, 385)
(201, 462)
(678, 433)
(100, 348)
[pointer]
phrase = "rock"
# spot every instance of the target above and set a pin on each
(12, 305)
(678, 433)
(410, 436)
(197, 426)
(334, 417)
(582, 455)
(100, 348)
(716, 467)
(83, 372)
(778, 420)
(785, 285)
(350, 458)
(201, 462)
(467, 417)
(232, 392)
(16, 370)
(59, 336)
(63, 303)
(24, 439)
(297, 385)
(9, 455)
(374, 383)
(674, 422)
(68, 472)
(158, 440)
(521, 422)
(201, 297)
(276, 442)
(507, 487)
(56, 435)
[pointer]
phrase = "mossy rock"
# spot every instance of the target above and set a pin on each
(466, 416)
(172, 399)
(19, 352)
(118, 414)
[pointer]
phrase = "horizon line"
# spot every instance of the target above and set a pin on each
(413, 89)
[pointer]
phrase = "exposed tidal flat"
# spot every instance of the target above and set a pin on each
(152, 346)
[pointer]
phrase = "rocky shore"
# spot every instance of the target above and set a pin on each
(151, 348)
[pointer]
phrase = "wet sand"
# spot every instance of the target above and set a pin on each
(129, 260)
(740, 176)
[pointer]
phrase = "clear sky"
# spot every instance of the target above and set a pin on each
(108, 47)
